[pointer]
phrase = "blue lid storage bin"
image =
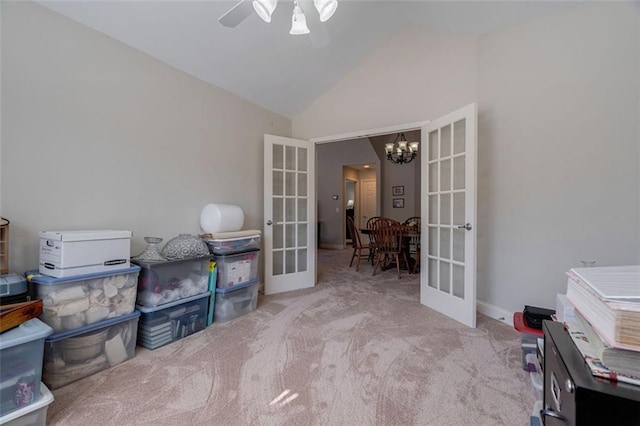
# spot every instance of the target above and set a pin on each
(75, 354)
(13, 289)
(33, 414)
(232, 302)
(161, 283)
(223, 246)
(21, 350)
(173, 321)
(74, 302)
(236, 269)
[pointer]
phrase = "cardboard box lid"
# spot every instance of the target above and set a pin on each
(85, 235)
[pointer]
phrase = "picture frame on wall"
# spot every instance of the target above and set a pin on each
(398, 203)
(397, 190)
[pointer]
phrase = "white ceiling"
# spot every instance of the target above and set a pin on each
(261, 62)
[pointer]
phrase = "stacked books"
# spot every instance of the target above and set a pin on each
(609, 298)
(606, 323)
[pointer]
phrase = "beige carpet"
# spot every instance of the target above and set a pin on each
(354, 350)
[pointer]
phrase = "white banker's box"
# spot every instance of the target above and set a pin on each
(69, 253)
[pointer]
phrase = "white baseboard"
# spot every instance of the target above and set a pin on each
(495, 312)
(332, 246)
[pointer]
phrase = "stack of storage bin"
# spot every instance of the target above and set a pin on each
(236, 255)
(13, 289)
(22, 395)
(173, 297)
(94, 320)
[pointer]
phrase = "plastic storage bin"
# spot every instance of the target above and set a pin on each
(528, 338)
(232, 302)
(535, 373)
(72, 303)
(76, 354)
(32, 415)
(160, 283)
(235, 269)
(535, 419)
(171, 322)
(234, 245)
(21, 350)
(13, 289)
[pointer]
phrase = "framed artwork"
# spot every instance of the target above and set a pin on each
(397, 190)
(398, 203)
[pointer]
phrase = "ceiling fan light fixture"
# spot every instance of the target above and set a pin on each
(265, 8)
(326, 8)
(298, 21)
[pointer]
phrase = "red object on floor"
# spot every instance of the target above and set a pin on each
(521, 325)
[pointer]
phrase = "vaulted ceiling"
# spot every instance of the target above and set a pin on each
(264, 64)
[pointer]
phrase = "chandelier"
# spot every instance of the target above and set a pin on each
(401, 151)
(325, 8)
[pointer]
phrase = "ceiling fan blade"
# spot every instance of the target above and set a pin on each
(236, 14)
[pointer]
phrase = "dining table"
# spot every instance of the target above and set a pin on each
(408, 233)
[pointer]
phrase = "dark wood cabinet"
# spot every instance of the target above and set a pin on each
(573, 396)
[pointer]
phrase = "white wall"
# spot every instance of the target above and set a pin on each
(399, 175)
(330, 158)
(98, 135)
(413, 77)
(558, 137)
(558, 151)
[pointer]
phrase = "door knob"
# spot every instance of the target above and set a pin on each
(269, 223)
(465, 226)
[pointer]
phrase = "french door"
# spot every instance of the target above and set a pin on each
(448, 254)
(289, 214)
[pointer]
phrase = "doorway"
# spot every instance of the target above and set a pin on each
(350, 187)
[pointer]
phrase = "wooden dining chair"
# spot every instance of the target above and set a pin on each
(372, 244)
(356, 243)
(372, 223)
(388, 238)
(413, 223)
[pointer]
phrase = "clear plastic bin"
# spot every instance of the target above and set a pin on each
(174, 321)
(234, 245)
(165, 282)
(32, 415)
(21, 350)
(232, 302)
(73, 355)
(74, 302)
(236, 269)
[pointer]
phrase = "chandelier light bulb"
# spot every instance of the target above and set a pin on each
(401, 151)
(326, 8)
(298, 21)
(265, 8)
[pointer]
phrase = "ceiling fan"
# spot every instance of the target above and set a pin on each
(265, 8)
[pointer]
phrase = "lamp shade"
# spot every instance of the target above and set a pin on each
(264, 8)
(326, 8)
(298, 22)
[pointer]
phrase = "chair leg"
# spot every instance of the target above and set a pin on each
(352, 257)
(416, 265)
(398, 264)
(406, 262)
(377, 262)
